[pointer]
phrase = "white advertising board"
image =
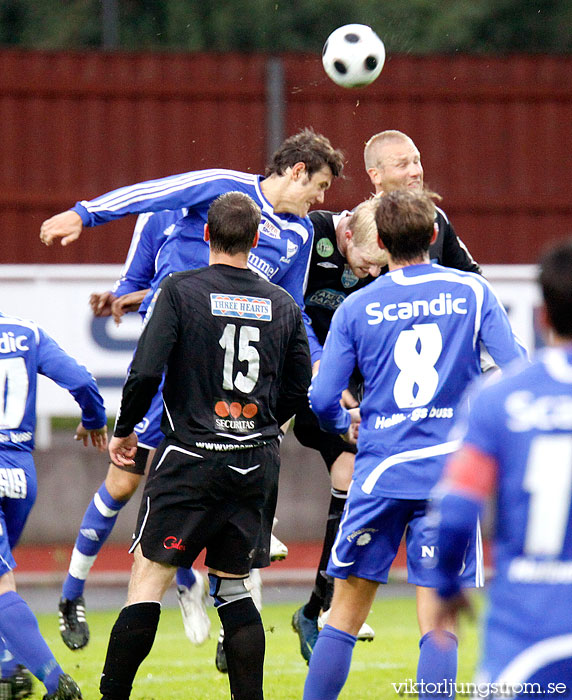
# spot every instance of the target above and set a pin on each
(57, 296)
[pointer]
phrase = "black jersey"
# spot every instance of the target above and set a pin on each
(331, 279)
(448, 249)
(236, 357)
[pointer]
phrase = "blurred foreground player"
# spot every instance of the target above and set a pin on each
(26, 351)
(517, 447)
(237, 367)
(415, 336)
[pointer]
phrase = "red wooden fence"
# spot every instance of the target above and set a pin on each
(494, 134)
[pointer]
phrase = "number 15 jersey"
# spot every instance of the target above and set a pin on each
(415, 335)
(236, 356)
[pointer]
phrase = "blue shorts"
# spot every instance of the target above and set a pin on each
(18, 488)
(370, 533)
(148, 431)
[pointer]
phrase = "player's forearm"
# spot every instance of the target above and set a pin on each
(325, 402)
(91, 403)
(138, 393)
(458, 516)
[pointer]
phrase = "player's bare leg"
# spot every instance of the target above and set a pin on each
(331, 658)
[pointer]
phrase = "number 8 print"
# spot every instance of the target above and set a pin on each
(417, 365)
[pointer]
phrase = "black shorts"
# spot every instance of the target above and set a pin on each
(196, 499)
(330, 446)
(140, 460)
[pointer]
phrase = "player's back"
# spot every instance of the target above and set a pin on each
(225, 372)
(417, 334)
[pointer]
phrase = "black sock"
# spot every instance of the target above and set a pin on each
(244, 645)
(130, 642)
(319, 597)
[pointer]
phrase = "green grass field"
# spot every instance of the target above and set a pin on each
(176, 670)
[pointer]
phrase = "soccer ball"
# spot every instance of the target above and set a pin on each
(353, 55)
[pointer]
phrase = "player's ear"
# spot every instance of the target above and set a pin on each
(256, 239)
(298, 170)
(207, 233)
(545, 325)
(435, 233)
(374, 176)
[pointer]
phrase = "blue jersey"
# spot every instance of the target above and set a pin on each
(415, 335)
(283, 252)
(517, 447)
(25, 351)
(151, 231)
(524, 422)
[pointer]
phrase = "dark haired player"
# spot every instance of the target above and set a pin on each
(415, 336)
(345, 258)
(300, 172)
(237, 366)
(517, 447)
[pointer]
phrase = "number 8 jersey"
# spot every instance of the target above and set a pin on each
(416, 336)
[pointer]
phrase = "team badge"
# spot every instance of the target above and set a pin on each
(324, 247)
(233, 306)
(348, 277)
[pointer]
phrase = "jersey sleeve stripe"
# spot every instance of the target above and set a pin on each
(163, 186)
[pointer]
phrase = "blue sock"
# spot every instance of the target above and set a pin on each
(437, 667)
(329, 664)
(7, 661)
(94, 530)
(185, 577)
(19, 629)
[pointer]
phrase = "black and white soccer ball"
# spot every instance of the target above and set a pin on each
(353, 55)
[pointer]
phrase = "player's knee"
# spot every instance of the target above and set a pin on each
(227, 590)
(342, 471)
(121, 485)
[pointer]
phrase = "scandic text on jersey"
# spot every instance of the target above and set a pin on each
(234, 306)
(443, 305)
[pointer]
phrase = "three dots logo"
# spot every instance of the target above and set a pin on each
(235, 410)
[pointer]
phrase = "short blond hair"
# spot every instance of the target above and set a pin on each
(373, 146)
(364, 229)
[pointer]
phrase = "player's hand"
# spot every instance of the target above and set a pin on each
(315, 368)
(127, 303)
(351, 435)
(67, 225)
(98, 436)
(122, 450)
(348, 400)
(101, 304)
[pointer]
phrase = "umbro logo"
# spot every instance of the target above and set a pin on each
(90, 534)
